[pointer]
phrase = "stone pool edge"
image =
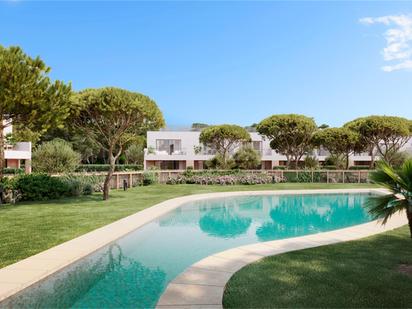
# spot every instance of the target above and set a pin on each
(203, 283)
(16, 277)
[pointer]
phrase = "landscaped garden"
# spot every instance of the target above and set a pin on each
(374, 272)
(31, 227)
(77, 134)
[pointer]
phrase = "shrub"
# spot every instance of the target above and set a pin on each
(56, 156)
(38, 187)
(134, 154)
(83, 184)
(359, 167)
(215, 179)
(398, 158)
(217, 162)
(337, 161)
(188, 172)
(9, 192)
(311, 162)
(105, 167)
(246, 158)
(329, 167)
(13, 171)
(149, 178)
(280, 167)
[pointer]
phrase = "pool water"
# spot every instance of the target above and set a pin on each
(135, 270)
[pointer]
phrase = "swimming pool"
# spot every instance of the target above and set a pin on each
(134, 270)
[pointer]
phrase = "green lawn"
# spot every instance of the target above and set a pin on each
(356, 274)
(29, 228)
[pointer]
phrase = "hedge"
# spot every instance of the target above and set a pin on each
(105, 167)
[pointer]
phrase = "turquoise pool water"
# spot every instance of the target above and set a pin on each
(134, 271)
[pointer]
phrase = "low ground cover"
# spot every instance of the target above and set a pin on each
(374, 272)
(31, 227)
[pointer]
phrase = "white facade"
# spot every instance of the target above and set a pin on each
(17, 155)
(181, 149)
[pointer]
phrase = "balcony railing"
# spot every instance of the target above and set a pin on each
(158, 152)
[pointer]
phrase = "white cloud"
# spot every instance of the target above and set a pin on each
(398, 40)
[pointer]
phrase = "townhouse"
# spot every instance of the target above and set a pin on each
(178, 150)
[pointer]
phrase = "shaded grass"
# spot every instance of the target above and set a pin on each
(29, 228)
(356, 274)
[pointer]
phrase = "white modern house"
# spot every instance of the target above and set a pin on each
(17, 155)
(177, 150)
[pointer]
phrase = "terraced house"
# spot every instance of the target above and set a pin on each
(17, 155)
(178, 150)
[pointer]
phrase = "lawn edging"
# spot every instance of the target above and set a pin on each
(203, 283)
(16, 277)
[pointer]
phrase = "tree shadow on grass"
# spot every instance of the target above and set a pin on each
(355, 274)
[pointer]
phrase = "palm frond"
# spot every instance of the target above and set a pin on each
(406, 174)
(389, 178)
(384, 206)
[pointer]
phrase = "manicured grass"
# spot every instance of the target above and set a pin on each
(29, 228)
(356, 274)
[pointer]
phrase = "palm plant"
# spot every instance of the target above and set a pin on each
(399, 183)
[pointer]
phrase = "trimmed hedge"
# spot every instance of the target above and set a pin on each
(13, 171)
(105, 167)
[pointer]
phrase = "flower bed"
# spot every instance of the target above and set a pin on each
(210, 179)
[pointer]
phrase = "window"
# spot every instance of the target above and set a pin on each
(168, 145)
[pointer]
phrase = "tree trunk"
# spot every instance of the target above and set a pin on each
(2, 159)
(409, 216)
(372, 157)
(106, 186)
(347, 161)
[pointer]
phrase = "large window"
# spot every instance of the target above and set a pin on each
(168, 145)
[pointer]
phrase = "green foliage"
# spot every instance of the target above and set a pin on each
(224, 138)
(86, 146)
(217, 162)
(149, 178)
(340, 142)
(23, 134)
(246, 158)
(13, 171)
(198, 126)
(113, 117)
(135, 154)
(359, 167)
(386, 134)
(39, 187)
(106, 167)
(56, 156)
(289, 134)
(27, 95)
(398, 158)
(399, 183)
(82, 184)
(323, 126)
(311, 162)
(338, 162)
(197, 149)
(355, 274)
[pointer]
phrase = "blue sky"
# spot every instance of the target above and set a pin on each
(228, 62)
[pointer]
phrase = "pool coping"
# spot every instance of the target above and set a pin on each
(16, 277)
(203, 283)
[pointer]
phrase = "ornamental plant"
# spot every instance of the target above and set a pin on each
(224, 139)
(56, 156)
(290, 135)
